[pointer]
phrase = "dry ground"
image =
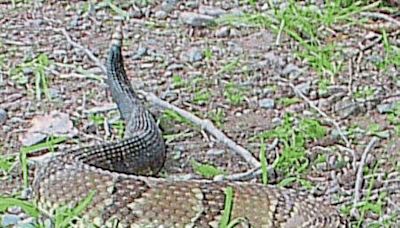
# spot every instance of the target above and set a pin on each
(237, 73)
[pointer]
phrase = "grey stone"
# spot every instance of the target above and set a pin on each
(222, 32)
(375, 59)
(54, 93)
(161, 14)
(139, 53)
(273, 60)
(74, 22)
(291, 70)
(304, 88)
(234, 32)
(32, 223)
(211, 11)
(346, 107)
(276, 121)
(386, 108)
(175, 66)
(27, 70)
(10, 220)
(168, 5)
(192, 55)
(195, 19)
(192, 4)
(3, 116)
(267, 103)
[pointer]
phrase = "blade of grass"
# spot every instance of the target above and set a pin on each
(227, 208)
(29, 208)
(263, 160)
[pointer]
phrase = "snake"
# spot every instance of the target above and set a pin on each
(120, 178)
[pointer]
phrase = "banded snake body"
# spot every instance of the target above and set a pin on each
(124, 194)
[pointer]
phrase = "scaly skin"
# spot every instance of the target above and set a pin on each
(114, 172)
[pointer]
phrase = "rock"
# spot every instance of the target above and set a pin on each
(54, 93)
(304, 88)
(10, 220)
(161, 14)
(168, 5)
(215, 152)
(276, 121)
(195, 19)
(56, 123)
(3, 116)
(32, 223)
(267, 103)
(211, 11)
(222, 32)
(192, 55)
(273, 60)
(346, 107)
(382, 108)
(175, 66)
(192, 4)
(139, 53)
(234, 32)
(291, 70)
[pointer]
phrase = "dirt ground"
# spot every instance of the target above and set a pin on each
(202, 69)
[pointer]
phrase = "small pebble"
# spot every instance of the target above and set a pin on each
(3, 116)
(10, 220)
(192, 55)
(291, 70)
(161, 14)
(304, 88)
(386, 108)
(168, 5)
(267, 103)
(222, 32)
(195, 19)
(211, 11)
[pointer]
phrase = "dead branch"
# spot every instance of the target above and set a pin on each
(360, 177)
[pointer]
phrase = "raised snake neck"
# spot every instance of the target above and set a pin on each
(122, 196)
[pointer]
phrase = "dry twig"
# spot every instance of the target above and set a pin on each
(206, 125)
(359, 177)
(313, 106)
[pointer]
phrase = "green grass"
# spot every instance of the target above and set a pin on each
(178, 81)
(170, 115)
(287, 101)
(391, 55)
(367, 205)
(99, 121)
(305, 24)
(264, 163)
(206, 170)
(218, 117)
(208, 54)
(62, 217)
(6, 163)
(27, 207)
(230, 66)
(202, 97)
(366, 92)
(65, 215)
(234, 94)
(228, 205)
(38, 66)
(393, 117)
(293, 135)
(49, 144)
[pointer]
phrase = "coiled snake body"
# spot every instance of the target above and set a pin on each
(121, 194)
